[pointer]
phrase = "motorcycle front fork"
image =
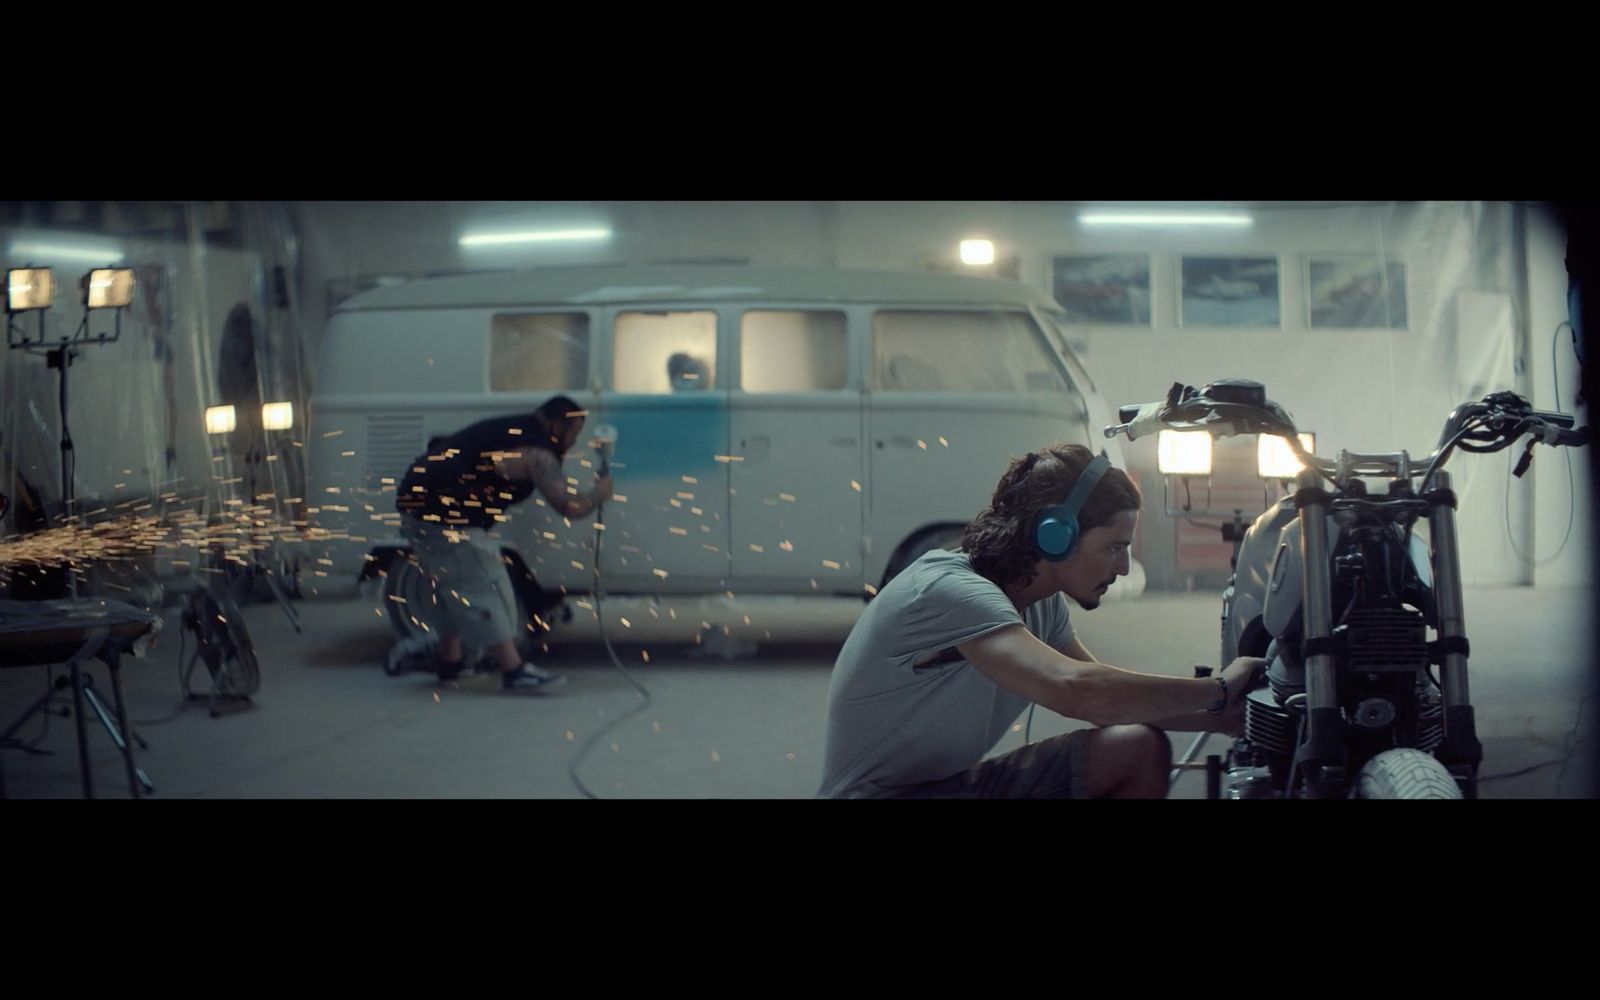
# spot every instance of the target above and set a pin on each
(1323, 757)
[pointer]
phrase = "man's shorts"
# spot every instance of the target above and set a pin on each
(1049, 769)
(470, 580)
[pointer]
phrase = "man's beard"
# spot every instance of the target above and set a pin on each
(1093, 600)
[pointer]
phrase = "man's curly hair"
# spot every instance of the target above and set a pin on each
(999, 541)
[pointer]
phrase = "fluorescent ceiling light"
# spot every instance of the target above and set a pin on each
(1165, 219)
(540, 236)
(1184, 453)
(977, 252)
(55, 251)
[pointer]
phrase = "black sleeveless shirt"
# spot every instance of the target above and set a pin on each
(455, 480)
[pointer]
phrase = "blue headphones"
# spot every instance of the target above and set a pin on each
(1056, 534)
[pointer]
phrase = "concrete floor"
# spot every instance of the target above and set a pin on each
(327, 723)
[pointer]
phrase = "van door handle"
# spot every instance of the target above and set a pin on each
(843, 442)
(755, 447)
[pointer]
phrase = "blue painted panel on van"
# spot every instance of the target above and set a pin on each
(666, 436)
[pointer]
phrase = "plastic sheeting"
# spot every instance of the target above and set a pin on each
(215, 319)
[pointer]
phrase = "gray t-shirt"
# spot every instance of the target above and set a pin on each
(892, 724)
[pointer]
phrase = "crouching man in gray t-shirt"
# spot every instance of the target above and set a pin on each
(953, 649)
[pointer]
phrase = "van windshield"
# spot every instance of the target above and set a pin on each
(1058, 339)
(918, 350)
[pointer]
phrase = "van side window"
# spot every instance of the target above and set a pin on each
(956, 351)
(538, 351)
(791, 351)
(664, 352)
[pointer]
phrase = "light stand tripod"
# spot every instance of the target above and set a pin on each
(98, 286)
(223, 644)
(240, 575)
(60, 357)
(274, 579)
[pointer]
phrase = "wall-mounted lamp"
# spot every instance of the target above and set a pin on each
(977, 253)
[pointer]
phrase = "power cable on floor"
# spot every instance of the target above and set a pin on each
(1571, 742)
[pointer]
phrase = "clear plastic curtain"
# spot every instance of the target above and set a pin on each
(214, 320)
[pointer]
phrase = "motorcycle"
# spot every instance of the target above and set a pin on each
(1334, 589)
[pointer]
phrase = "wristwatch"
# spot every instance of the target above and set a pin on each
(1222, 699)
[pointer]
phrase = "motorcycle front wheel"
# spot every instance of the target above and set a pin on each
(1405, 774)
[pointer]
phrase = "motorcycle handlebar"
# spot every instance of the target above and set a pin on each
(1559, 425)
(1562, 420)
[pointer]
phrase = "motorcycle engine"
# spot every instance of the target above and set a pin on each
(1272, 730)
(1286, 672)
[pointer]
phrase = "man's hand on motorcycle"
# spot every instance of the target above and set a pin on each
(1231, 721)
(1242, 676)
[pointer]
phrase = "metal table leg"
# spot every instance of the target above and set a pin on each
(83, 732)
(135, 776)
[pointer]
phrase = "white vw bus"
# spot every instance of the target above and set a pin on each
(780, 431)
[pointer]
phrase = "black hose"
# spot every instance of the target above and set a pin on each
(644, 696)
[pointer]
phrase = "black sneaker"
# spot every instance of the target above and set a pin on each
(529, 679)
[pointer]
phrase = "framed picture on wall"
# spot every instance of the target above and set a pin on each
(1108, 289)
(1230, 291)
(1354, 292)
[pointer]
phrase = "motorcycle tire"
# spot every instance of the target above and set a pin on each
(407, 581)
(1405, 774)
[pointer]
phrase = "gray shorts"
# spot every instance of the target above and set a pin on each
(470, 580)
(1049, 769)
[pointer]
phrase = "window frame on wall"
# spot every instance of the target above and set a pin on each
(585, 370)
(843, 346)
